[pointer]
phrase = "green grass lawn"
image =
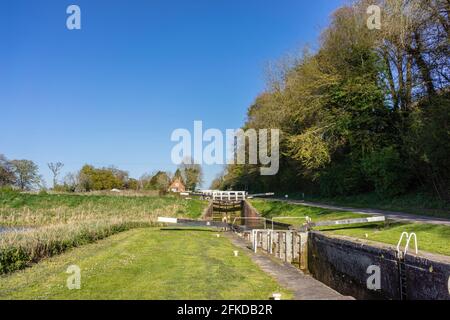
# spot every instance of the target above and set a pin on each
(431, 237)
(418, 203)
(147, 263)
(276, 209)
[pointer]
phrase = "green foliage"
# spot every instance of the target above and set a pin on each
(349, 122)
(99, 179)
(385, 169)
(160, 181)
(427, 141)
(7, 177)
(8, 190)
(191, 174)
(342, 178)
(132, 184)
(26, 172)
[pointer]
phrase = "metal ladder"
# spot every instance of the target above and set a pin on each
(401, 261)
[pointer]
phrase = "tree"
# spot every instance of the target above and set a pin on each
(178, 175)
(191, 173)
(26, 172)
(121, 175)
(55, 168)
(368, 111)
(132, 184)
(217, 183)
(7, 177)
(91, 178)
(160, 181)
(71, 182)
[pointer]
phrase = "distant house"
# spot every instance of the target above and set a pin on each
(177, 186)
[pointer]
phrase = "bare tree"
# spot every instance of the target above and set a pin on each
(55, 168)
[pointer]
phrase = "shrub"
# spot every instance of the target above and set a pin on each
(385, 170)
(342, 179)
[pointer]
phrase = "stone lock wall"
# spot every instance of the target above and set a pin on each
(343, 263)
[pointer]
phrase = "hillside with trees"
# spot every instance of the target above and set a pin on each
(368, 111)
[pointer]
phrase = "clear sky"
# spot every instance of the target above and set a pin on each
(113, 92)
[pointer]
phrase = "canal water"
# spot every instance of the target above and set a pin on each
(9, 229)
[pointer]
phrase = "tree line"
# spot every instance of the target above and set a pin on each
(24, 175)
(367, 111)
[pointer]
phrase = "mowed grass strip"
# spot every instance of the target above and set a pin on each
(147, 263)
(431, 237)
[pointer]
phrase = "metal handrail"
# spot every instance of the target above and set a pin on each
(404, 233)
(409, 239)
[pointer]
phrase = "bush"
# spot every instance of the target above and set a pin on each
(8, 190)
(341, 179)
(385, 170)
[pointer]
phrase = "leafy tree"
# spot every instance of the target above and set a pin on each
(26, 172)
(178, 175)
(160, 181)
(192, 174)
(132, 184)
(368, 111)
(7, 177)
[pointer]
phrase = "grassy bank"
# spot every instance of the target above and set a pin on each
(58, 222)
(31, 210)
(418, 203)
(147, 264)
(432, 238)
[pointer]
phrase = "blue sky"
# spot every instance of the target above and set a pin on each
(113, 92)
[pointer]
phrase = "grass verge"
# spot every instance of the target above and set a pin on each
(432, 238)
(419, 203)
(147, 263)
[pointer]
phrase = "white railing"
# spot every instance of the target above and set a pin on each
(408, 237)
(229, 195)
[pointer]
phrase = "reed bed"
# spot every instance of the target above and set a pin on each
(57, 222)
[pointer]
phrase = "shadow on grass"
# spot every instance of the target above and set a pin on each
(381, 227)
